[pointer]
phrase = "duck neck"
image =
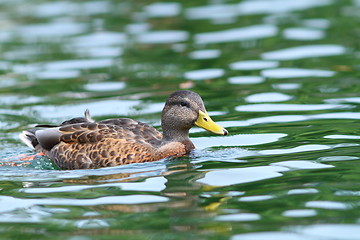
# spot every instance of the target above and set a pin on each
(175, 135)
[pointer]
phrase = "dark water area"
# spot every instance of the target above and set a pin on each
(281, 76)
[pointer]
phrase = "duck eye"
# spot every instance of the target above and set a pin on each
(184, 104)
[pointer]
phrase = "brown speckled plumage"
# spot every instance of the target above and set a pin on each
(81, 143)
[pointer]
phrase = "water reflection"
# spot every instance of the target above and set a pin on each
(296, 73)
(303, 148)
(267, 107)
(162, 9)
(253, 65)
(278, 6)
(99, 39)
(62, 74)
(203, 74)
(109, 107)
(343, 100)
(79, 64)
(241, 175)
(239, 217)
(59, 8)
(299, 164)
(337, 231)
(99, 108)
(104, 86)
(327, 205)
(268, 97)
(246, 79)
(320, 23)
(238, 140)
(162, 37)
(237, 34)
(271, 236)
(308, 51)
(251, 8)
(287, 86)
(303, 34)
(154, 184)
(211, 11)
(205, 54)
(17, 203)
(255, 198)
(57, 56)
(50, 30)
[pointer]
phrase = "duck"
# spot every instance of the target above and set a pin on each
(82, 143)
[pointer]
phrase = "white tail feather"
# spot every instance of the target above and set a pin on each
(23, 137)
(87, 116)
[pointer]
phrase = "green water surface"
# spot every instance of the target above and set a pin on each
(280, 75)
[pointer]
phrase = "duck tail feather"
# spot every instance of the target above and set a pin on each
(29, 139)
(88, 116)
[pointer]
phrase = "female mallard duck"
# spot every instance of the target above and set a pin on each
(82, 143)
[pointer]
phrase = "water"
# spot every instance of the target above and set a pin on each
(280, 75)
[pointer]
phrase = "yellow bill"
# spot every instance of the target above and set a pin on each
(204, 121)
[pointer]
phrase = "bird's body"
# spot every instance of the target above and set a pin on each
(81, 143)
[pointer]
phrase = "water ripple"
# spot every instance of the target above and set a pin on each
(340, 136)
(99, 39)
(154, 184)
(294, 118)
(299, 213)
(241, 175)
(303, 191)
(203, 74)
(239, 217)
(299, 164)
(59, 8)
(238, 140)
(327, 205)
(343, 100)
(46, 69)
(268, 97)
(308, 51)
(321, 23)
(162, 37)
(304, 34)
(303, 148)
(331, 231)
(79, 64)
(99, 108)
(253, 65)
(279, 107)
(50, 30)
(56, 74)
(11, 203)
(296, 73)
(271, 236)
(255, 198)
(211, 11)
(205, 54)
(287, 86)
(237, 34)
(278, 6)
(246, 79)
(104, 86)
(163, 9)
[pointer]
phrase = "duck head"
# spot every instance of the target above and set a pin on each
(183, 110)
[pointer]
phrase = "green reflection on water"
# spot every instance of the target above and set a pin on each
(151, 71)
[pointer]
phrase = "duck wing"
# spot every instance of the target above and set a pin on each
(101, 144)
(140, 129)
(121, 128)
